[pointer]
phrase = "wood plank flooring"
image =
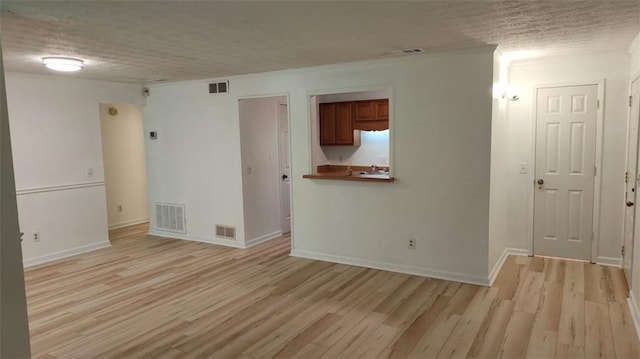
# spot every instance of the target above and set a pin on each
(156, 297)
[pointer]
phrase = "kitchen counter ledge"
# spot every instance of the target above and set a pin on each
(334, 172)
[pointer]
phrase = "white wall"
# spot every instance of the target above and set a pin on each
(261, 185)
(441, 136)
(614, 69)
(634, 50)
(498, 218)
(55, 129)
(124, 166)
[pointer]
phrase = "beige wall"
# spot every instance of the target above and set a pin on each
(124, 164)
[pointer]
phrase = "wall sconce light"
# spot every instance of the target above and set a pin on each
(65, 64)
(511, 92)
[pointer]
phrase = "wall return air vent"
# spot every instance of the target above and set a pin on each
(170, 217)
(219, 87)
(225, 232)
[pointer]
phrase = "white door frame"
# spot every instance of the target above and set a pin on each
(287, 95)
(631, 250)
(280, 156)
(598, 160)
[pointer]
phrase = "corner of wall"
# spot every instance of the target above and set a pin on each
(632, 302)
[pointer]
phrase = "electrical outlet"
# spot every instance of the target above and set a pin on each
(119, 207)
(36, 237)
(412, 243)
(89, 172)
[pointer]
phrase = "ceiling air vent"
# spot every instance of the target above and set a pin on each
(416, 50)
(225, 232)
(219, 87)
(170, 217)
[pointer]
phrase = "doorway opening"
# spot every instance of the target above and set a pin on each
(125, 173)
(266, 169)
(567, 136)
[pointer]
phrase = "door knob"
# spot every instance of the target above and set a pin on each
(284, 177)
(629, 204)
(540, 181)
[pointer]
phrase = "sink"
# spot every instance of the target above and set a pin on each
(374, 174)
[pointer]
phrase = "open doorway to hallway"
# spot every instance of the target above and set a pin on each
(266, 175)
(124, 164)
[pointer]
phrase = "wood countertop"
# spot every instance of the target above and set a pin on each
(338, 172)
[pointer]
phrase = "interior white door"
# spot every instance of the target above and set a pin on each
(565, 171)
(285, 168)
(631, 180)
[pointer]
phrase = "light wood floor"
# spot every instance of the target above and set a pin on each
(153, 297)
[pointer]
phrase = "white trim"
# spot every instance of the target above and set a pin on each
(66, 253)
(262, 239)
(128, 223)
(420, 271)
(635, 313)
(63, 187)
(601, 84)
(220, 242)
(597, 185)
(609, 261)
(503, 258)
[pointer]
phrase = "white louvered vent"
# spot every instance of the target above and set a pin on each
(170, 217)
(219, 87)
(225, 232)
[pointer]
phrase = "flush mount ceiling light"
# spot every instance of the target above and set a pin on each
(66, 64)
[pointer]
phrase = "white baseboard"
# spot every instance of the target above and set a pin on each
(66, 253)
(609, 261)
(635, 314)
(503, 258)
(262, 239)
(220, 242)
(128, 223)
(392, 267)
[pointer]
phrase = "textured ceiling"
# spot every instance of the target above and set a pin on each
(135, 41)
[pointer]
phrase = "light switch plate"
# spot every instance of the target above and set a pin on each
(523, 168)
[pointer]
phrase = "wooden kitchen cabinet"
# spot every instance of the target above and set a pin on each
(327, 124)
(371, 115)
(382, 110)
(336, 125)
(364, 111)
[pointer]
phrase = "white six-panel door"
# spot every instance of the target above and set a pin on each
(565, 171)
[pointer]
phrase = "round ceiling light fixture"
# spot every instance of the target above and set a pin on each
(65, 64)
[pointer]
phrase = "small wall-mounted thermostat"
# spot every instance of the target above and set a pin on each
(153, 135)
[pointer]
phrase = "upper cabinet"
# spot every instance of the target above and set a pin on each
(371, 115)
(341, 122)
(336, 125)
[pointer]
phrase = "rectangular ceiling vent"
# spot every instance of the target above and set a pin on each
(416, 50)
(171, 217)
(227, 232)
(219, 87)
